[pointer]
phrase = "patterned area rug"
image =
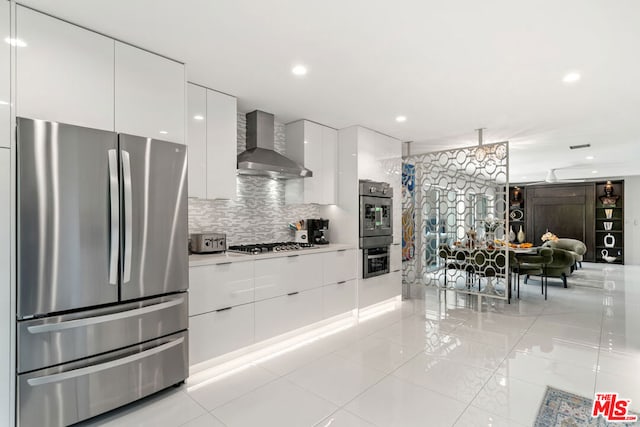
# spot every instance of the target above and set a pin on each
(562, 409)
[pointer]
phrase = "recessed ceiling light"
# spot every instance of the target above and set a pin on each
(594, 171)
(299, 70)
(15, 42)
(571, 77)
(164, 132)
(306, 142)
(401, 119)
(589, 157)
(198, 117)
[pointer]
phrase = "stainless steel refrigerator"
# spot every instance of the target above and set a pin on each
(102, 270)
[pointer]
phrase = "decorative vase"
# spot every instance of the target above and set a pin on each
(520, 235)
(512, 234)
(609, 241)
(608, 225)
(608, 213)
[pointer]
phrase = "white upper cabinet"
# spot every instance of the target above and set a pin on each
(149, 94)
(315, 146)
(212, 140)
(197, 140)
(222, 130)
(5, 82)
(63, 72)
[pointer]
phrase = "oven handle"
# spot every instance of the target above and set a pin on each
(377, 256)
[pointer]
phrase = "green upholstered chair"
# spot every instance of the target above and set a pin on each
(489, 263)
(561, 266)
(455, 260)
(536, 264)
(575, 247)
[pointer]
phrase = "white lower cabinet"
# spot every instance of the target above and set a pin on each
(338, 298)
(219, 332)
(278, 315)
(281, 276)
(379, 288)
(212, 287)
(339, 266)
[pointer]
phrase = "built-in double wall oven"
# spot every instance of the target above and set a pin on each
(376, 227)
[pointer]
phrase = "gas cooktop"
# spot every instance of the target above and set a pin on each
(261, 248)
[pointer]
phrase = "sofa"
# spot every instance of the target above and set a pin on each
(575, 247)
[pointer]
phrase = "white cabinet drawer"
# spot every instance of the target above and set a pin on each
(212, 287)
(219, 332)
(395, 263)
(339, 266)
(292, 273)
(282, 314)
(379, 288)
(338, 298)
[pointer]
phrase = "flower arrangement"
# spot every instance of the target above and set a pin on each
(491, 224)
(549, 236)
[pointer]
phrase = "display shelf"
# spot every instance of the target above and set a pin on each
(610, 192)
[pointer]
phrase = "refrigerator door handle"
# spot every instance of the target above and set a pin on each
(115, 217)
(78, 323)
(103, 366)
(128, 216)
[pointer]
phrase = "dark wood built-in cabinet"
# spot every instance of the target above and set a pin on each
(567, 210)
(576, 211)
(609, 231)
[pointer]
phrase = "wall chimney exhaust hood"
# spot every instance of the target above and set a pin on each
(260, 158)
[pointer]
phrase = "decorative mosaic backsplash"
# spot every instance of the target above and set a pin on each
(258, 213)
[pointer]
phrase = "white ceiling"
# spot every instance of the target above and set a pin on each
(450, 67)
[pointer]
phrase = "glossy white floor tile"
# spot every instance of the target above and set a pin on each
(169, 408)
(451, 378)
(206, 420)
(216, 393)
(279, 403)
(343, 418)
(336, 379)
(475, 417)
(432, 362)
(394, 402)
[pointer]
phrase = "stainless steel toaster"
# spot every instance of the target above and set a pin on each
(206, 243)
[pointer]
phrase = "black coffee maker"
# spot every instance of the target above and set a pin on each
(317, 229)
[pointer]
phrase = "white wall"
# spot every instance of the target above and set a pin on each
(632, 220)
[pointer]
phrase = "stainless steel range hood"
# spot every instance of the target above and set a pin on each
(260, 158)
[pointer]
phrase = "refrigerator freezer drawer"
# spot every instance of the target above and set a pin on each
(61, 339)
(76, 391)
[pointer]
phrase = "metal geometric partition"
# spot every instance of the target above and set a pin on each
(455, 212)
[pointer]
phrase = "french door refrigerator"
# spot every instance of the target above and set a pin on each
(102, 270)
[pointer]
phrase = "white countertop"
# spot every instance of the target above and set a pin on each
(225, 257)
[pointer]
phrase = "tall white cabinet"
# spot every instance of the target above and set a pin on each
(212, 141)
(5, 82)
(366, 154)
(149, 94)
(6, 373)
(63, 72)
(315, 146)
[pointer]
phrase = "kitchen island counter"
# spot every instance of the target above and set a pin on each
(227, 257)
